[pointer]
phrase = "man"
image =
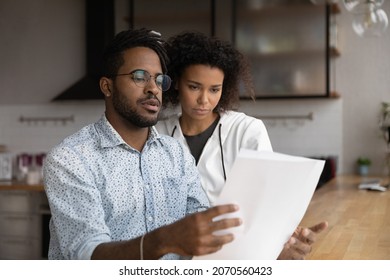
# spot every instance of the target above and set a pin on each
(117, 189)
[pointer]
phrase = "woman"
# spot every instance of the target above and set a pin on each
(207, 74)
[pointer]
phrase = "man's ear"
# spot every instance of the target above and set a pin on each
(105, 86)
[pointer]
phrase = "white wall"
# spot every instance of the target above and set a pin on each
(36, 137)
(362, 78)
(42, 49)
(319, 136)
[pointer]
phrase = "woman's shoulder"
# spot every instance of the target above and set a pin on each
(250, 130)
(238, 118)
(167, 124)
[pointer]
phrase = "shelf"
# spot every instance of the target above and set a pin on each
(334, 94)
(335, 8)
(334, 52)
(16, 185)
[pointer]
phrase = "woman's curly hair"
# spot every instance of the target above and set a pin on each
(190, 48)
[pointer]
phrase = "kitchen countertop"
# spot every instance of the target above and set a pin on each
(17, 185)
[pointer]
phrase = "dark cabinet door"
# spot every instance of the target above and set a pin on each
(287, 45)
(173, 16)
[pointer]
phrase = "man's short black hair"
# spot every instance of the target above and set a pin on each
(113, 54)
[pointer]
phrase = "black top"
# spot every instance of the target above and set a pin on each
(197, 142)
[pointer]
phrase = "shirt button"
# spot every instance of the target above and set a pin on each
(150, 218)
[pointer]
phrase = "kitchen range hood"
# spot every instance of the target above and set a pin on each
(99, 31)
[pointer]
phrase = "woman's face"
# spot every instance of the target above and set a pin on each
(200, 89)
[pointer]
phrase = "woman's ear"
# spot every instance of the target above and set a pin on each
(105, 86)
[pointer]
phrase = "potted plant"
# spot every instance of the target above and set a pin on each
(363, 165)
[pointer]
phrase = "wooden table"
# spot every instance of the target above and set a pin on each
(359, 221)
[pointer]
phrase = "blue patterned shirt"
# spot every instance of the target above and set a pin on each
(100, 189)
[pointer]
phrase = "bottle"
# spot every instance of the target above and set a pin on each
(23, 163)
(34, 173)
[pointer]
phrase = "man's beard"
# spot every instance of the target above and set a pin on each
(129, 113)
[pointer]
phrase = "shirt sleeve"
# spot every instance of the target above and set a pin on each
(77, 216)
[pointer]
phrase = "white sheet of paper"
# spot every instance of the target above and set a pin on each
(273, 191)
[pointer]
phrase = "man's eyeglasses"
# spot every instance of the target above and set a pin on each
(142, 77)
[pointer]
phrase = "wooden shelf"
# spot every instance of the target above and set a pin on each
(335, 8)
(15, 185)
(334, 94)
(334, 51)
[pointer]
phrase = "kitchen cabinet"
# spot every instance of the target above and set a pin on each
(23, 224)
(287, 43)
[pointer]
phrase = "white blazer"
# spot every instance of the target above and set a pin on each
(234, 131)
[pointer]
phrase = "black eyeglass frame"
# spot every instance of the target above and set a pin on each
(165, 79)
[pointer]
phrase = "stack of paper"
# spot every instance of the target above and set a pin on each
(273, 191)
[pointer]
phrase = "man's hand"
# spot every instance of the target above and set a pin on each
(299, 244)
(195, 235)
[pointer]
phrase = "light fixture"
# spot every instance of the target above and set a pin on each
(368, 18)
(370, 22)
(358, 6)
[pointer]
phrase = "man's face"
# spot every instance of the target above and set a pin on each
(138, 104)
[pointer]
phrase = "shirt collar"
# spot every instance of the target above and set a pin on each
(109, 137)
